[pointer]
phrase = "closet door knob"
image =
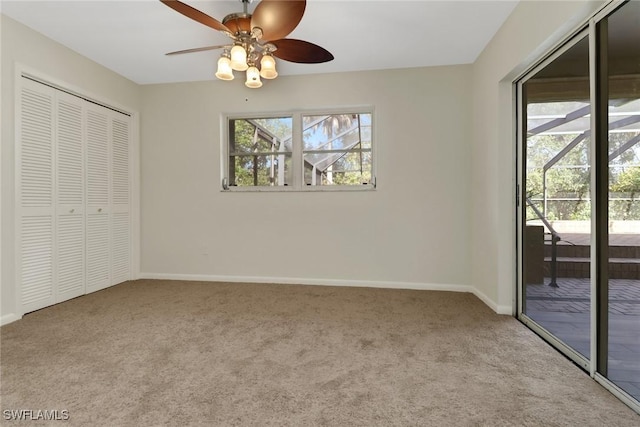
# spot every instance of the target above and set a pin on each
(99, 209)
(72, 211)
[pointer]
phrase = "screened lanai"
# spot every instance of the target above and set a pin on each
(562, 130)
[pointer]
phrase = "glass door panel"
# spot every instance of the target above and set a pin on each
(556, 222)
(623, 273)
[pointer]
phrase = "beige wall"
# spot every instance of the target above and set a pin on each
(21, 45)
(532, 29)
(413, 231)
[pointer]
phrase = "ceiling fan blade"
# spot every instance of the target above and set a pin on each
(196, 15)
(277, 18)
(196, 49)
(300, 51)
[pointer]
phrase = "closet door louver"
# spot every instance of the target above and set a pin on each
(98, 184)
(70, 222)
(120, 218)
(35, 204)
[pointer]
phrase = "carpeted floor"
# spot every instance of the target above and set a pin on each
(158, 353)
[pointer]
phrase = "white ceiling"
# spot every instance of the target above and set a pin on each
(131, 37)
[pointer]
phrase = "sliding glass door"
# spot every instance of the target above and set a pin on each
(579, 199)
(556, 214)
(619, 85)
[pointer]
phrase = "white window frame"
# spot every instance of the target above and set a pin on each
(297, 183)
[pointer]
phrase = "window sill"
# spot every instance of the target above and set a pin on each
(307, 189)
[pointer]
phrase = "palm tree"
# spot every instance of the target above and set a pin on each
(333, 124)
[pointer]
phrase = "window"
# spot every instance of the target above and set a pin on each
(337, 149)
(299, 151)
(260, 152)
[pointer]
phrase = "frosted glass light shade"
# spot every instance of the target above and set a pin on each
(253, 78)
(238, 58)
(268, 67)
(224, 69)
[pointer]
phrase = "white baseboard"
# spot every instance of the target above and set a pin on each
(5, 319)
(307, 281)
(499, 309)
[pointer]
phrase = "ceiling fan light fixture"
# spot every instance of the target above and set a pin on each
(239, 58)
(253, 78)
(224, 68)
(268, 67)
(256, 36)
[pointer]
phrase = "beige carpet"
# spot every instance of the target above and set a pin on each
(191, 353)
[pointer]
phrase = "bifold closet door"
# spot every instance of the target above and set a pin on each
(50, 196)
(69, 172)
(108, 191)
(98, 184)
(120, 193)
(35, 222)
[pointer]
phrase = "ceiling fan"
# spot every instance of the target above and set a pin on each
(256, 38)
